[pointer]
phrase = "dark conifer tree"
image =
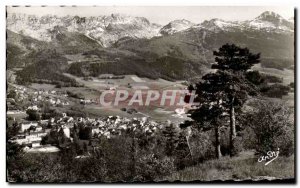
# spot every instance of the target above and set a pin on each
(209, 95)
(225, 90)
(171, 135)
(233, 62)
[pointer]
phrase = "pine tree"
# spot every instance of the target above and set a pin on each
(232, 63)
(171, 135)
(234, 58)
(209, 94)
(222, 92)
(182, 152)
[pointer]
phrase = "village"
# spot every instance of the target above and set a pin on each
(32, 133)
(34, 130)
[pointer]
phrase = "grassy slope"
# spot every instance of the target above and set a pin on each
(180, 56)
(242, 167)
(19, 47)
(197, 45)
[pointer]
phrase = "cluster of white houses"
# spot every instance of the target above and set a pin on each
(32, 133)
(21, 92)
(52, 96)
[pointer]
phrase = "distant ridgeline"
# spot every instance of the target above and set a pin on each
(45, 47)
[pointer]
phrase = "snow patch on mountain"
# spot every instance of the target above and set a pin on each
(175, 26)
(270, 21)
(267, 21)
(217, 25)
(105, 29)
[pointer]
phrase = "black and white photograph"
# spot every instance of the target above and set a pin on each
(150, 94)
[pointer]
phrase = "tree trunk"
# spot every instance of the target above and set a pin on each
(218, 143)
(187, 141)
(232, 129)
(133, 158)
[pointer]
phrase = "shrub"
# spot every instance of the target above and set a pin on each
(248, 138)
(275, 90)
(225, 147)
(149, 167)
(272, 126)
(201, 145)
(33, 115)
(131, 111)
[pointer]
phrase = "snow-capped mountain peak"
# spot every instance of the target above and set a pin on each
(176, 26)
(217, 25)
(108, 29)
(269, 16)
(271, 21)
(105, 29)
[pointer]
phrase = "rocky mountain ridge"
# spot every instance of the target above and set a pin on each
(107, 30)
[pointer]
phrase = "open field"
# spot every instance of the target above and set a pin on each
(95, 86)
(286, 74)
(124, 83)
(92, 89)
(42, 86)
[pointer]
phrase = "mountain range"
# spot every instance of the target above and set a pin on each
(178, 50)
(108, 29)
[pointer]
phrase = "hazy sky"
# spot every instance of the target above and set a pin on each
(161, 15)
